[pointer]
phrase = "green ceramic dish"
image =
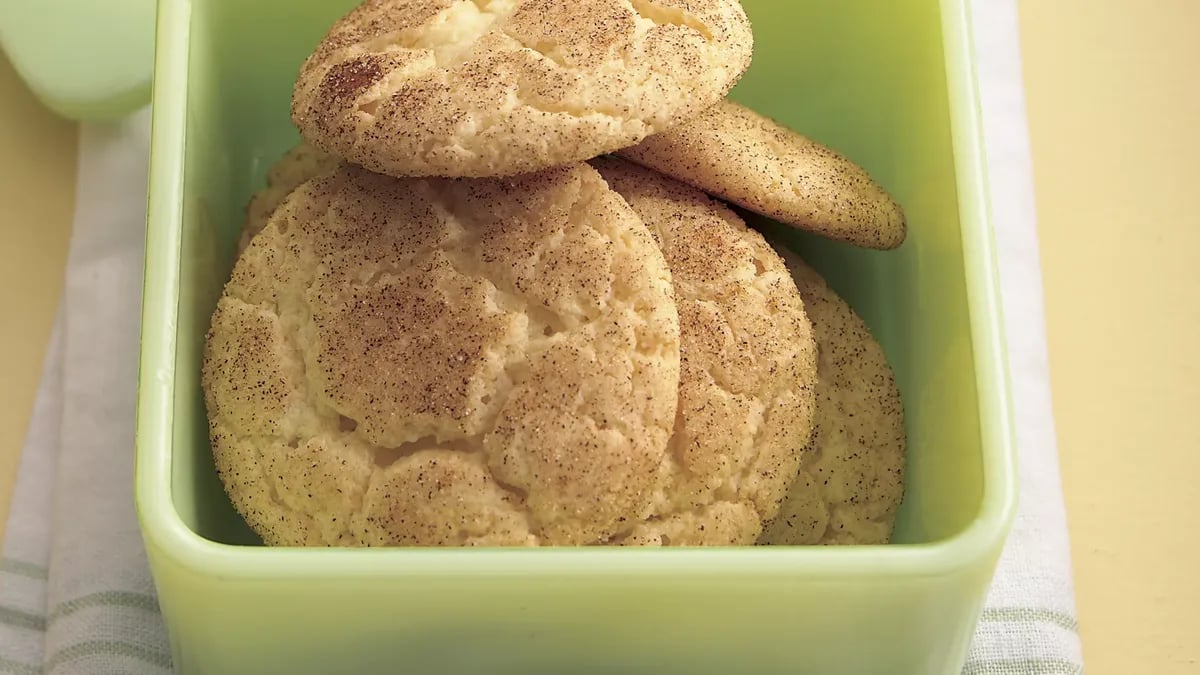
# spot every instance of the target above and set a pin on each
(890, 84)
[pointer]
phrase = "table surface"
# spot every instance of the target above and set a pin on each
(1112, 114)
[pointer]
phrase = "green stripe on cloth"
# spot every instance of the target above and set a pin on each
(21, 619)
(1020, 614)
(105, 599)
(83, 650)
(22, 568)
(18, 668)
(1022, 667)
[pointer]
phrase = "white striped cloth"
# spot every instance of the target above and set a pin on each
(75, 592)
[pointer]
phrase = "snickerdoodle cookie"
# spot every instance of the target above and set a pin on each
(501, 87)
(852, 476)
(741, 156)
(445, 362)
(749, 366)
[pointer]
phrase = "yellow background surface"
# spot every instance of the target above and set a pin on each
(37, 201)
(1115, 124)
(1114, 119)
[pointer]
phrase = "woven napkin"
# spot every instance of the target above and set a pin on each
(75, 591)
(76, 594)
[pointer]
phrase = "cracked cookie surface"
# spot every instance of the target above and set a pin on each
(851, 479)
(748, 367)
(502, 87)
(296, 166)
(445, 362)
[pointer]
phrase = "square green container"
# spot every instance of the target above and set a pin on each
(889, 83)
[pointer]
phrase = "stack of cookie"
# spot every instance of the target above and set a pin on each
(490, 300)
